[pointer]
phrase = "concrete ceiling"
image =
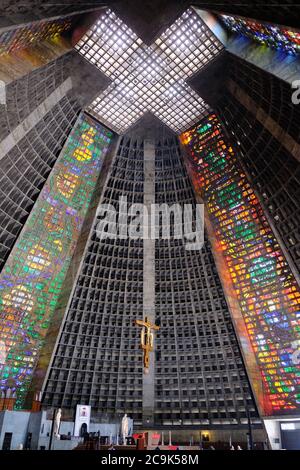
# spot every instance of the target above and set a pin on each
(210, 82)
(148, 17)
(87, 80)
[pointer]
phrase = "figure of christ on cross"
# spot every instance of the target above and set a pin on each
(146, 339)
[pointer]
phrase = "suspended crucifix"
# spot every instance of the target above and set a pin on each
(147, 339)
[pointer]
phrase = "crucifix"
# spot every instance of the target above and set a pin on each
(146, 338)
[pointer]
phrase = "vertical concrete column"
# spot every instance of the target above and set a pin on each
(149, 279)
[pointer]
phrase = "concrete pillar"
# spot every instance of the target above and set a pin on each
(149, 279)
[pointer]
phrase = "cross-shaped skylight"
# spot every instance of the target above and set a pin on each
(149, 78)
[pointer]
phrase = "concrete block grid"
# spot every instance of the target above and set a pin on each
(197, 376)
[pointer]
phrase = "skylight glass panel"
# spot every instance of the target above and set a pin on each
(109, 44)
(117, 107)
(180, 107)
(188, 44)
(149, 78)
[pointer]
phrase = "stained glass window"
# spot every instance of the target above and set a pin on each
(21, 38)
(273, 36)
(264, 285)
(33, 275)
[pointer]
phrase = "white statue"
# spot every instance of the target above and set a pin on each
(57, 423)
(124, 428)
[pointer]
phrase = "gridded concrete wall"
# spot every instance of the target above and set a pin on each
(270, 93)
(273, 170)
(24, 95)
(28, 153)
(98, 360)
(200, 376)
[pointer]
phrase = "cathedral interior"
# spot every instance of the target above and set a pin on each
(123, 105)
